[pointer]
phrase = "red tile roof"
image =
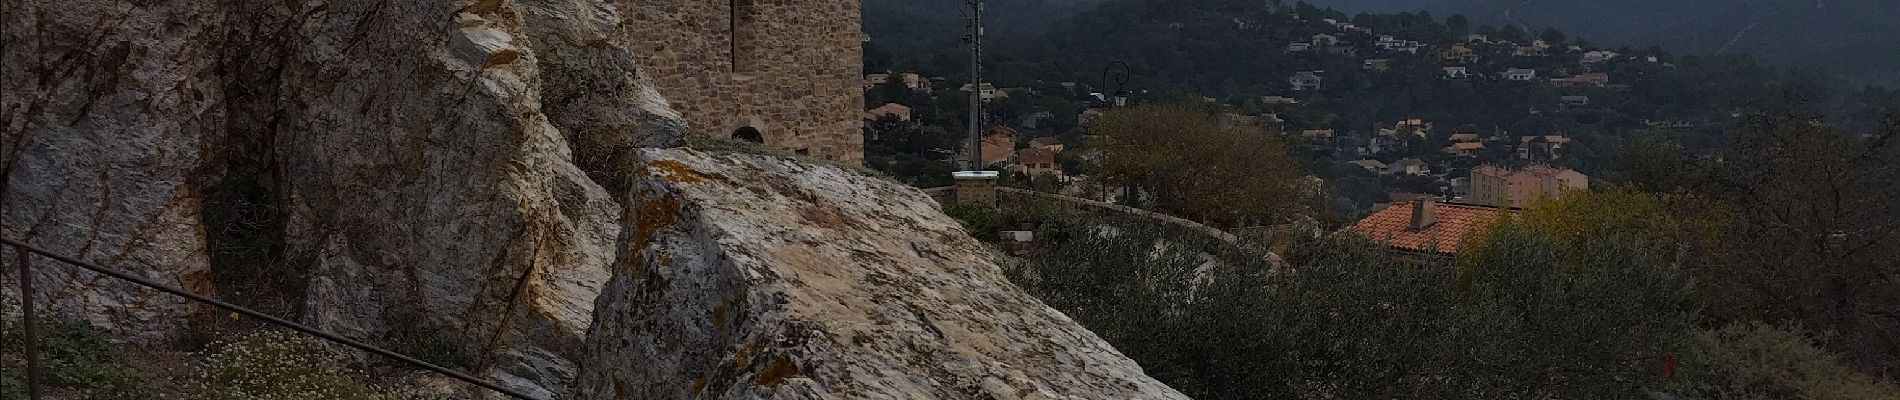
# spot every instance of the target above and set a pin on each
(1393, 226)
(1035, 156)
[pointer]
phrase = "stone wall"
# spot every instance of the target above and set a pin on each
(787, 68)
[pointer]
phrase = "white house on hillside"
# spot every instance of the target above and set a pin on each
(1520, 74)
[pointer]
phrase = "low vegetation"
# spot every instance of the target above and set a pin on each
(78, 362)
(74, 358)
(1759, 275)
(269, 365)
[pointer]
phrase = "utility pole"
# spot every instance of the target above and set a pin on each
(976, 84)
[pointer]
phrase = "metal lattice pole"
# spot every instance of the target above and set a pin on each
(976, 85)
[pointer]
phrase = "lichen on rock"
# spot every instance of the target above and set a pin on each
(886, 297)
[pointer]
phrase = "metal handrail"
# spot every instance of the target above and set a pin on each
(32, 340)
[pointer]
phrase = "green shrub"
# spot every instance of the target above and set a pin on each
(72, 356)
(1757, 361)
(982, 222)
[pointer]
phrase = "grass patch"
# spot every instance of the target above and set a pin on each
(73, 356)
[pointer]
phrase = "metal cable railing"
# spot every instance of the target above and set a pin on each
(30, 331)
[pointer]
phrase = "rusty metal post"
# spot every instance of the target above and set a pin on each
(28, 325)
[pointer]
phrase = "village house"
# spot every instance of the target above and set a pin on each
(1464, 137)
(1278, 100)
(892, 109)
(999, 145)
(1035, 161)
(1477, 38)
(1499, 187)
(914, 81)
(1387, 42)
(1529, 146)
(1371, 165)
(1576, 101)
(1425, 227)
(872, 80)
(1410, 166)
(1457, 72)
(1049, 143)
(1459, 53)
(1536, 49)
(1325, 40)
(989, 91)
(1317, 134)
(1520, 74)
(1414, 126)
(1594, 79)
(1598, 56)
(1466, 149)
(1378, 64)
(1304, 80)
(1297, 47)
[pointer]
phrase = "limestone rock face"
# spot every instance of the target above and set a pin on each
(431, 174)
(424, 155)
(750, 277)
(105, 111)
(478, 173)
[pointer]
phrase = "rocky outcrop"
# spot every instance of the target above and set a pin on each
(751, 277)
(474, 173)
(105, 111)
(421, 154)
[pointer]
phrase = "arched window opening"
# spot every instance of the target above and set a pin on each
(748, 134)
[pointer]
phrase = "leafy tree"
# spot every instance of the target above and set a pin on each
(1488, 31)
(1458, 25)
(1651, 163)
(1513, 33)
(1193, 166)
(1815, 234)
(1553, 37)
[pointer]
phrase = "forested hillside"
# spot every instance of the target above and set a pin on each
(1854, 38)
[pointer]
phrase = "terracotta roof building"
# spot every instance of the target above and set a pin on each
(1050, 143)
(1426, 226)
(1464, 148)
(1033, 161)
(893, 109)
(999, 145)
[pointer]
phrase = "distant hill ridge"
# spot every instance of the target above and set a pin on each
(1852, 38)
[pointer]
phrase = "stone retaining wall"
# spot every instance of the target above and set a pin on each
(1009, 194)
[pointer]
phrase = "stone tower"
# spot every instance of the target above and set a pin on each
(786, 72)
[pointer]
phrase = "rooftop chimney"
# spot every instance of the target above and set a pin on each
(1422, 213)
